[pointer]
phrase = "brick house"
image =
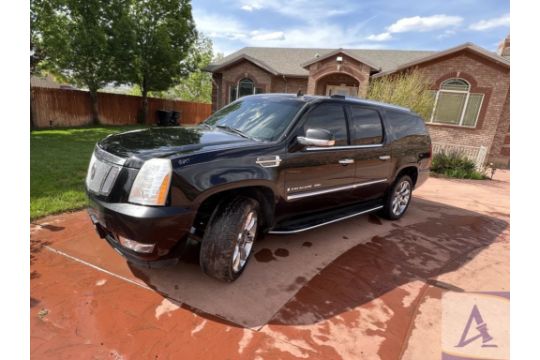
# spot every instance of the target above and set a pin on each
(471, 85)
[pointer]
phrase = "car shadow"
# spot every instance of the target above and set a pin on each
(305, 278)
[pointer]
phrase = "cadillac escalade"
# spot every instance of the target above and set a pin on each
(268, 163)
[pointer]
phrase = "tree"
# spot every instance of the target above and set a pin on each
(80, 39)
(163, 32)
(197, 86)
(409, 89)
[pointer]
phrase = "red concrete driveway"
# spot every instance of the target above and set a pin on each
(365, 288)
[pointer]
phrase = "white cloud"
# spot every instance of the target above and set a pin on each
(251, 6)
(217, 26)
(311, 11)
(491, 23)
(446, 34)
(317, 36)
(230, 34)
(262, 36)
(418, 23)
(380, 37)
(424, 23)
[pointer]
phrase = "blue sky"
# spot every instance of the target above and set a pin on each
(367, 24)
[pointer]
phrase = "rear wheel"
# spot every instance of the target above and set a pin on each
(398, 199)
(228, 239)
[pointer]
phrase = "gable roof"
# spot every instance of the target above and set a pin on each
(288, 61)
(230, 61)
(340, 51)
(292, 61)
(504, 61)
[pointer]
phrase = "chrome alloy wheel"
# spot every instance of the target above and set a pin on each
(244, 242)
(401, 197)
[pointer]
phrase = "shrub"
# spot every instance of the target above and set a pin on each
(410, 89)
(456, 165)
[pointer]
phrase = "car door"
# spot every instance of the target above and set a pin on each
(317, 178)
(372, 152)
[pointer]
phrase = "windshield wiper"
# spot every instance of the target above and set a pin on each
(233, 130)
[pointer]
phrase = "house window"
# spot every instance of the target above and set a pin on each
(455, 104)
(243, 88)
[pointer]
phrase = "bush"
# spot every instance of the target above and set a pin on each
(410, 89)
(456, 165)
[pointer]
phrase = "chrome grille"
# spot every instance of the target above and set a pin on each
(101, 176)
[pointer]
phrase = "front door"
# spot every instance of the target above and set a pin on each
(317, 178)
(341, 90)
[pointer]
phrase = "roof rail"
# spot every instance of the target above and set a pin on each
(337, 96)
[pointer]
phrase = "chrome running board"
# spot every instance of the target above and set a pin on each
(296, 231)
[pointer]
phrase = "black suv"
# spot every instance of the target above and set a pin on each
(276, 163)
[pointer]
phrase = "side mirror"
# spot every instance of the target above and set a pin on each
(317, 137)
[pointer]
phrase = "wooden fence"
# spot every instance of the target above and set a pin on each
(65, 108)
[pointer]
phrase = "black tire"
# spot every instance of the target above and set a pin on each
(388, 211)
(221, 237)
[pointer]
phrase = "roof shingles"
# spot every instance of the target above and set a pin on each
(288, 61)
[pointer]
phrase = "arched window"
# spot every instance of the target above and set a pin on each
(455, 104)
(243, 87)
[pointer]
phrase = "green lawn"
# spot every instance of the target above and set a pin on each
(58, 163)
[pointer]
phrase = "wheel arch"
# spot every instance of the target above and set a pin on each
(262, 192)
(409, 169)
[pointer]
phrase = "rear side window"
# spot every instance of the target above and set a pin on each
(365, 126)
(403, 124)
(330, 117)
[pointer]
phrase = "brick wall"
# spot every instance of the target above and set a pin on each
(262, 79)
(244, 69)
(349, 67)
(485, 77)
(500, 149)
(289, 84)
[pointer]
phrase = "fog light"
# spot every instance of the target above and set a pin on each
(136, 246)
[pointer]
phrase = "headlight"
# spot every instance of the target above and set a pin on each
(151, 186)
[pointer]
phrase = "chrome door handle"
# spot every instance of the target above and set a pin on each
(346, 161)
(384, 157)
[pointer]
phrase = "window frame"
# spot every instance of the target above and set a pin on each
(465, 105)
(349, 112)
(305, 119)
(237, 88)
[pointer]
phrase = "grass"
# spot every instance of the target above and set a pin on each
(455, 165)
(58, 164)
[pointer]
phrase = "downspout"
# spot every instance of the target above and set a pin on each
(285, 79)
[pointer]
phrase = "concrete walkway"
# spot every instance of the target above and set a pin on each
(365, 288)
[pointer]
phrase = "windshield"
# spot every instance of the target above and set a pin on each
(260, 117)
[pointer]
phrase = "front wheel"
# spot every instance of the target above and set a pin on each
(398, 199)
(228, 239)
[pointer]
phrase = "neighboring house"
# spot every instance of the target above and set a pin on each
(47, 81)
(471, 85)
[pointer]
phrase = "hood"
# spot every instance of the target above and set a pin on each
(166, 141)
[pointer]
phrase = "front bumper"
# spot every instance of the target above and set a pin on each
(166, 227)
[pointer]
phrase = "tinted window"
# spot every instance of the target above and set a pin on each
(403, 124)
(330, 117)
(260, 117)
(365, 125)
